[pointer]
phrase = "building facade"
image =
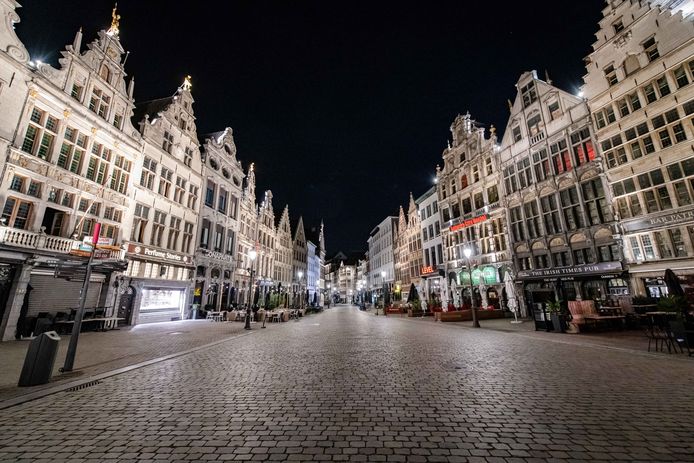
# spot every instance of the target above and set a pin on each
(284, 256)
(472, 215)
(639, 89)
(266, 245)
(68, 160)
(382, 258)
(300, 264)
(216, 285)
(433, 264)
(561, 225)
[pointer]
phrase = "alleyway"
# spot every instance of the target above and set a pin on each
(348, 386)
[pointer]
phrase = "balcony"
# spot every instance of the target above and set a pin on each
(41, 242)
(537, 137)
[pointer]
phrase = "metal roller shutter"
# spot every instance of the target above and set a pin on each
(58, 295)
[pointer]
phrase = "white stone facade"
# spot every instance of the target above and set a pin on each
(434, 285)
(381, 256)
(639, 86)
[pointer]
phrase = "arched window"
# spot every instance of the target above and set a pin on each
(105, 73)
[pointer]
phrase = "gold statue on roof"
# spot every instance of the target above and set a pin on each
(187, 85)
(115, 21)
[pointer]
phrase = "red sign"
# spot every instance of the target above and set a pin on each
(469, 222)
(427, 270)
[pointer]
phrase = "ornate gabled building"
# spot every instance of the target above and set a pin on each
(640, 90)
(414, 247)
(70, 151)
(163, 214)
(216, 282)
(300, 263)
(400, 253)
(284, 256)
(432, 251)
(561, 225)
(247, 237)
(472, 216)
(266, 248)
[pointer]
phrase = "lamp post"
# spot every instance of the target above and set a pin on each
(468, 253)
(330, 295)
(383, 277)
(252, 254)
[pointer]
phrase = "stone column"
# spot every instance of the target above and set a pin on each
(8, 324)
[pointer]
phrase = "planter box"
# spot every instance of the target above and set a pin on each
(466, 315)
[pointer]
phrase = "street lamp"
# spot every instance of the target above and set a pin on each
(252, 254)
(383, 276)
(468, 253)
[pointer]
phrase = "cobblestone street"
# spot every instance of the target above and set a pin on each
(349, 386)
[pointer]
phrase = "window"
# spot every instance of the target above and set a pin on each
(541, 165)
(230, 242)
(517, 133)
(510, 179)
(475, 174)
(534, 124)
(663, 87)
(149, 169)
(608, 253)
(680, 76)
(187, 237)
(188, 156)
(532, 220)
(158, 228)
(618, 26)
(478, 200)
(72, 150)
(463, 183)
(120, 174)
(77, 91)
(174, 231)
(18, 183)
(209, 194)
(517, 224)
(234, 207)
(550, 214)
(542, 261)
(529, 94)
(222, 201)
(218, 238)
(571, 209)
(582, 146)
(610, 75)
(67, 200)
(180, 190)
(98, 163)
(561, 258)
(493, 194)
(34, 189)
(623, 107)
(554, 111)
(140, 222)
(118, 121)
(99, 103)
(561, 159)
(167, 143)
(635, 248)
(597, 209)
(650, 47)
(583, 256)
(16, 213)
(165, 182)
(40, 134)
(678, 242)
(205, 233)
(525, 173)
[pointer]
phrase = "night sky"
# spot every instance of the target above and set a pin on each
(345, 107)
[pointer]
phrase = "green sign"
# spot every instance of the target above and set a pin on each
(476, 274)
(490, 275)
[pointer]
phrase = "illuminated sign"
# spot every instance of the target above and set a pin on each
(469, 222)
(427, 270)
(145, 251)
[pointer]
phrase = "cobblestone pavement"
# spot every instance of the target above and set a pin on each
(348, 386)
(99, 352)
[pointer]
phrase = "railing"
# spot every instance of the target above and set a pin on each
(35, 240)
(536, 138)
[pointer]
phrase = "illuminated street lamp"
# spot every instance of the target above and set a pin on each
(300, 274)
(383, 276)
(468, 253)
(252, 254)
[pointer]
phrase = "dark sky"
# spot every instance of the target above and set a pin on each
(345, 107)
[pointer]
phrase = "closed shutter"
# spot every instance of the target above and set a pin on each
(57, 295)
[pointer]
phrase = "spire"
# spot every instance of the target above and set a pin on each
(77, 43)
(510, 105)
(413, 207)
(115, 22)
(402, 222)
(547, 79)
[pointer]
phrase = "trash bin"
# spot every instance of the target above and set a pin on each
(38, 363)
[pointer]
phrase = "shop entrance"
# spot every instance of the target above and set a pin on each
(6, 278)
(125, 306)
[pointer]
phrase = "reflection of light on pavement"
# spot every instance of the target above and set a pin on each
(316, 324)
(176, 332)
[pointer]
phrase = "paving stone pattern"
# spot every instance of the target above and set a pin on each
(347, 386)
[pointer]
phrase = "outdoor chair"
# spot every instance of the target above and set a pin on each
(679, 336)
(656, 331)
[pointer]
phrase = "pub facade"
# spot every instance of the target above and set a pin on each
(561, 225)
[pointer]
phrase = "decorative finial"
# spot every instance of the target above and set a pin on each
(492, 130)
(187, 85)
(115, 21)
(547, 79)
(510, 105)
(250, 169)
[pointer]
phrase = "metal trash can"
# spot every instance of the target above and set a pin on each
(38, 363)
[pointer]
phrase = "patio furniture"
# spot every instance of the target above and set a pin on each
(679, 336)
(657, 331)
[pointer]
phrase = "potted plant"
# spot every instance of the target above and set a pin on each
(672, 303)
(554, 309)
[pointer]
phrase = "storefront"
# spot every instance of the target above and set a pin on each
(432, 284)
(599, 282)
(162, 282)
(485, 282)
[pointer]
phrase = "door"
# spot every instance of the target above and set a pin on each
(53, 221)
(125, 306)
